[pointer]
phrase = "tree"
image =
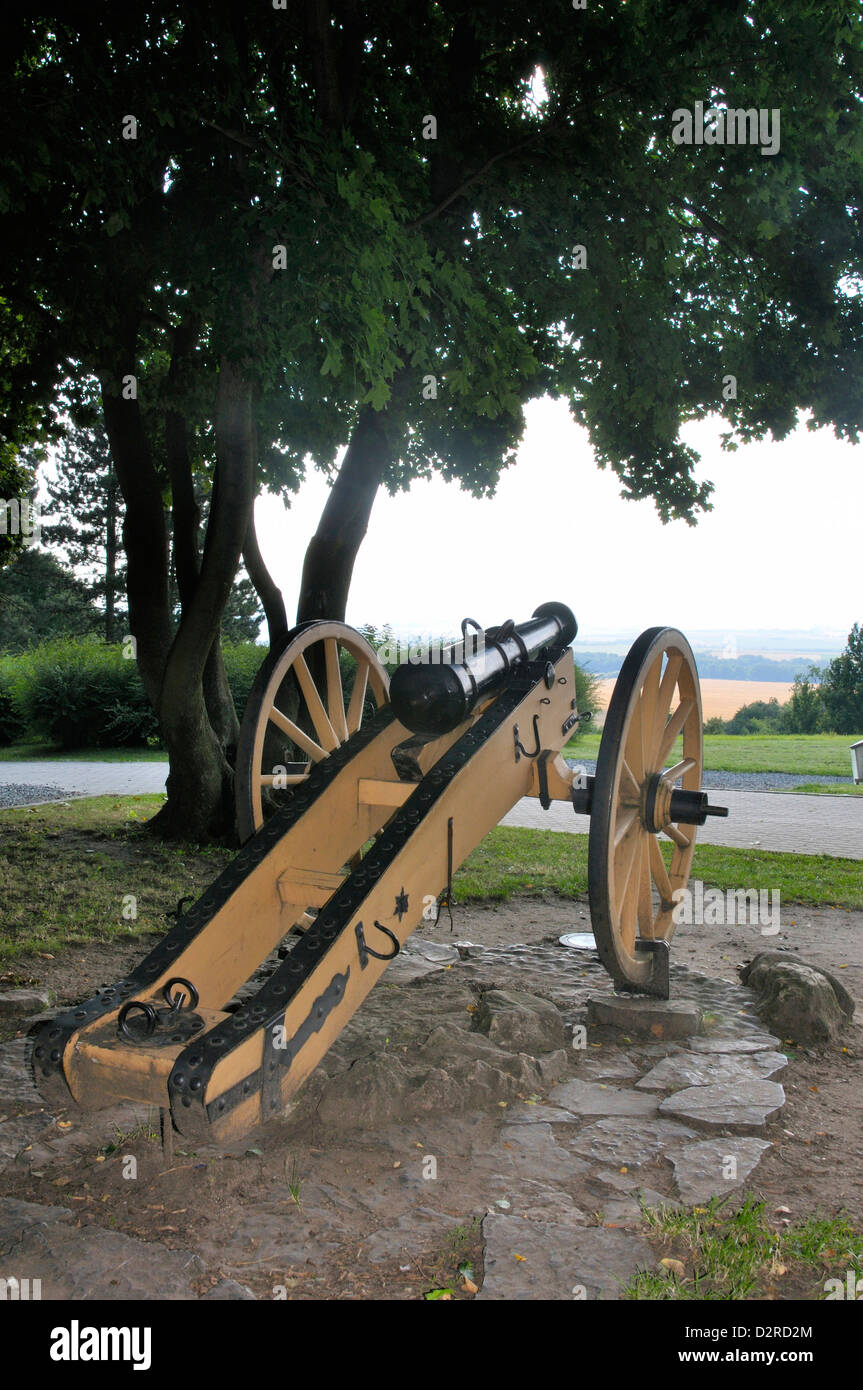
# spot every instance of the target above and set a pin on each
(842, 687)
(334, 226)
(804, 712)
(39, 599)
(86, 520)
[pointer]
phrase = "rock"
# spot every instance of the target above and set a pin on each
(627, 1143)
(768, 958)
(228, 1289)
(700, 1169)
(692, 1069)
(16, 1076)
(739, 1106)
(591, 1098)
(660, 1018)
(18, 1003)
(797, 1000)
(557, 1260)
(520, 1022)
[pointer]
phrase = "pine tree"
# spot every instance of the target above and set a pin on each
(85, 522)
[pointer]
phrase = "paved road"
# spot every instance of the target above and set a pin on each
(756, 820)
(82, 778)
(762, 820)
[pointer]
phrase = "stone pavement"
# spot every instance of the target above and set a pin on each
(756, 820)
(623, 1118)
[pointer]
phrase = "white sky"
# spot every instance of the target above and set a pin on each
(781, 549)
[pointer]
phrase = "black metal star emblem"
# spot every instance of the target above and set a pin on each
(401, 904)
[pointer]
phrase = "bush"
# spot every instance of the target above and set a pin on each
(714, 725)
(81, 694)
(11, 723)
(242, 663)
(760, 717)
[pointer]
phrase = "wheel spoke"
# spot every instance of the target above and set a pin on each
(296, 735)
(672, 729)
(625, 855)
(659, 871)
(629, 907)
(290, 779)
(649, 692)
(315, 705)
(624, 822)
(645, 896)
(676, 834)
(633, 751)
(335, 694)
(673, 773)
(358, 696)
(626, 772)
(666, 693)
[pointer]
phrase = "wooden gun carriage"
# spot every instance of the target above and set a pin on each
(357, 799)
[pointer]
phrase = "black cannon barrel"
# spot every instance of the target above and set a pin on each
(435, 697)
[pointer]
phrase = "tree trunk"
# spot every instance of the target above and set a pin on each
(329, 562)
(200, 783)
(186, 520)
(111, 559)
(267, 590)
(144, 535)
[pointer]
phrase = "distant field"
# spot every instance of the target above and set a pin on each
(819, 755)
(722, 698)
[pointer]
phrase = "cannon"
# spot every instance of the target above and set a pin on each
(357, 799)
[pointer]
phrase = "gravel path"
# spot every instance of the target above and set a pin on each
(25, 794)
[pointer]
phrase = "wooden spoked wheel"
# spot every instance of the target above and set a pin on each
(305, 703)
(656, 701)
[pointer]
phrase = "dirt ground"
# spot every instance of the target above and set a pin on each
(297, 1206)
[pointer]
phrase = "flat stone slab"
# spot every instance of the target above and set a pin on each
(741, 1106)
(713, 1167)
(17, 1133)
(38, 1242)
(592, 1098)
(694, 1069)
(607, 1066)
(629, 1142)
(658, 1018)
(721, 1046)
(530, 1260)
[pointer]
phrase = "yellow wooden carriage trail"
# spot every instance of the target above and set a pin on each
(357, 800)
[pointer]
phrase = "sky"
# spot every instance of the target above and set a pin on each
(781, 548)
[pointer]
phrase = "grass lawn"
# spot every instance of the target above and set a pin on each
(47, 752)
(717, 1253)
(820, 789)
(68, 870)
(825, 755)
(511, 861)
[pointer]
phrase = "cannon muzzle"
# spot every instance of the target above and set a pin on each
(435, 697)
